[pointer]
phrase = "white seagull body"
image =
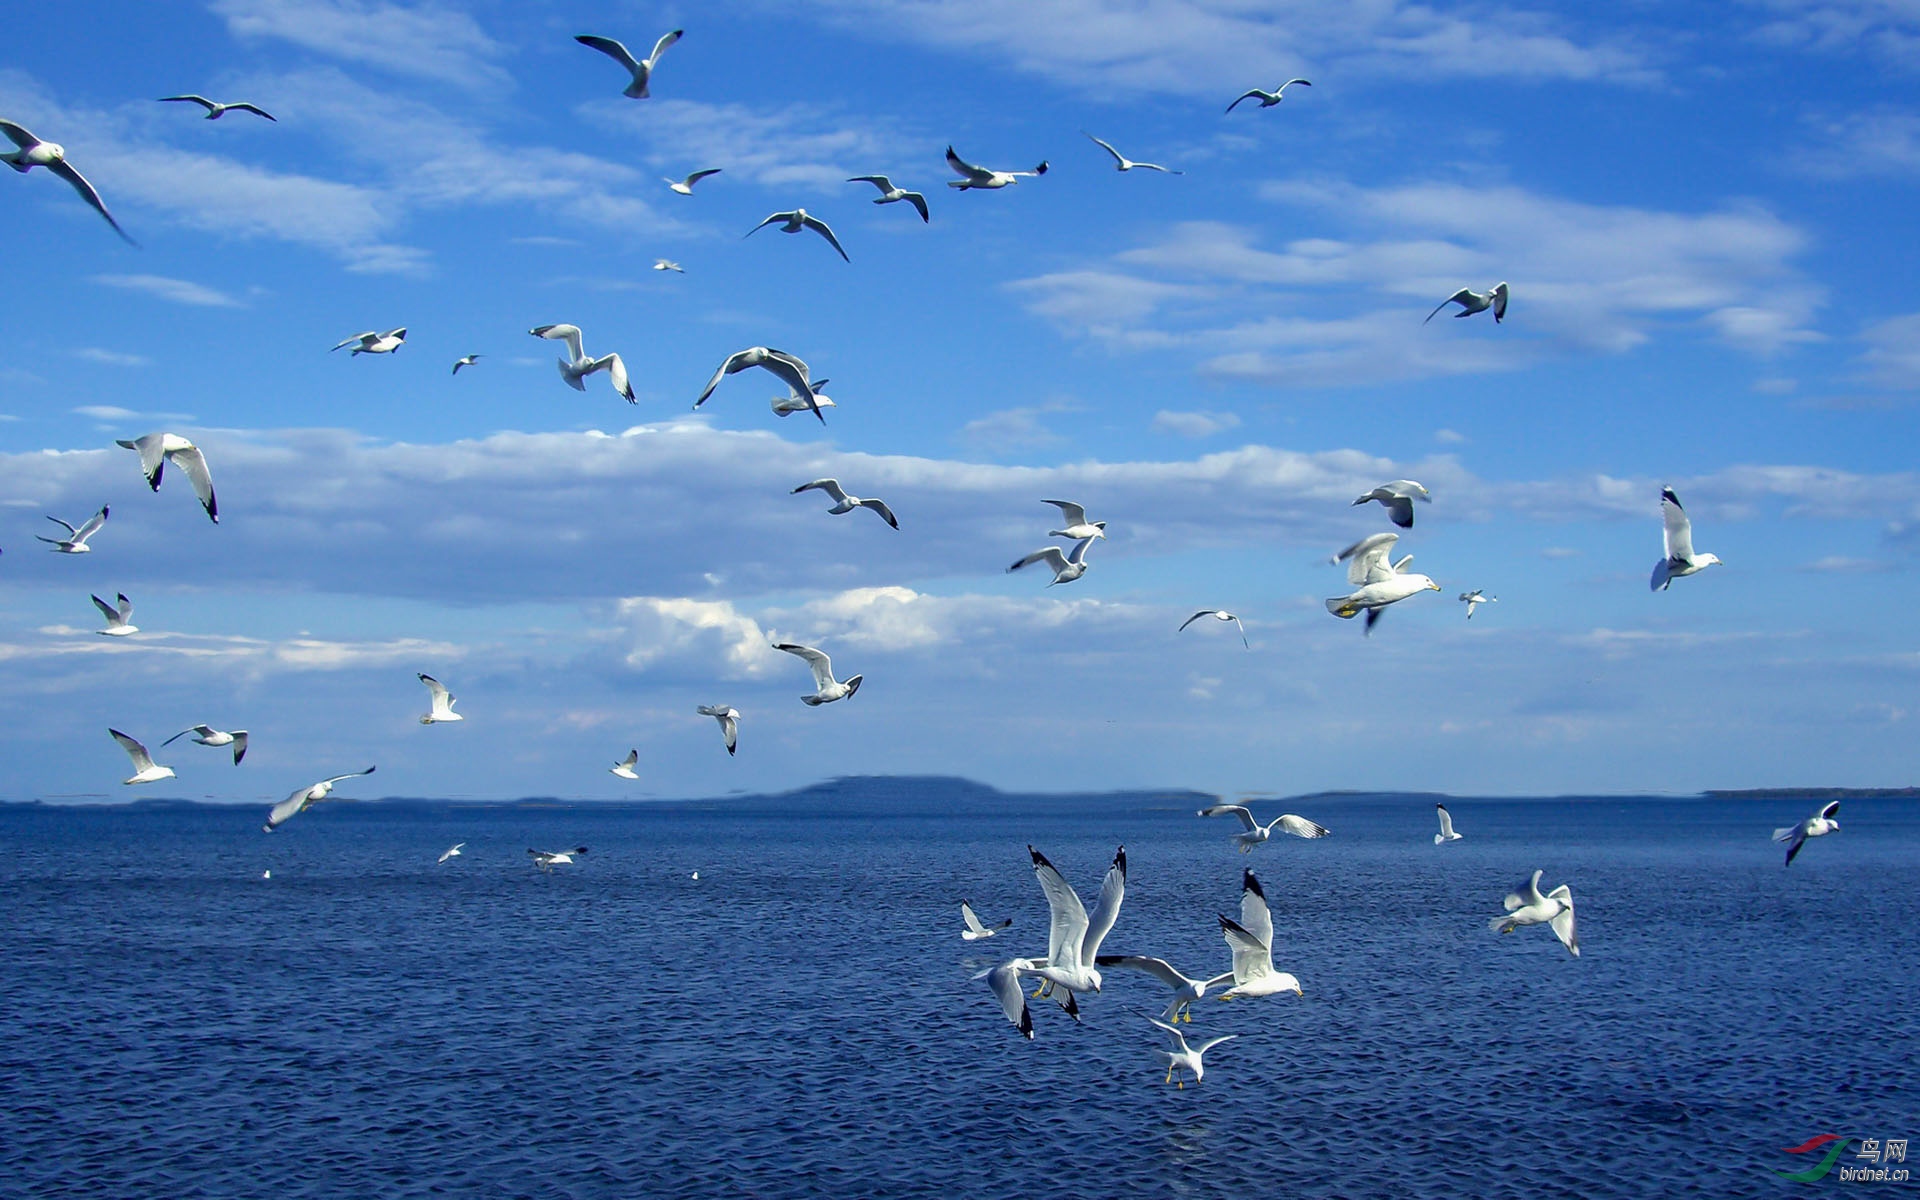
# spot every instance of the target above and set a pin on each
(685, 186)
(1472, 302)
(663, 264)
(825, 688)
(890, 194)
(1251, 941)
(979, 177)
(441, 708)
(453, 851)
(1446, 833)
(975, 931)
(32, 152)
(119, 620)
(783, 366)
(624, 768)
(1185, 990)
(216, 110)
(577, 366)
(145, 770)
(1253, 833)
(1681, 560)
(640, 68)
(1122, 163)
(1078, 528)
(207, 735)
(797, 220)
(158, 449)
(76, 540)
(1476, 598)
(1819, 824)
(844, 503)
(1378, 581)
(1526, 906)
(1184, 1057)
(1066, 567)
(1222, 615)
(793, 401)
(729, 718)
(1074, 937)
(1267, 99)
(373, 342)
(305, 798)
(465, 360)
(1397, 498)
(545, 859)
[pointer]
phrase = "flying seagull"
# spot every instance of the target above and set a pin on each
(1397, 497)
(1446, 833)
(975, 931)
(372, 341)
(783, 366)
(1526, 906)
(793, 401)
(795, 221)
(464, 361)
(729, 718)
(664, 264)
(641, 69)
(1074, 936)
(1818, 825)
(1075, 519)
(1253, 833)
(1183, 1057)
(889, 194)
(1475, 598)
(1680, 559)
(144, 768)
(76, 540)
(301, 800)
(1378, 582)
(1185, 990)
(825, 688)
(158, 449)
(1122, 163)
(1251, 941)
(452, 851)
(1219, 614)
(575, 368)
(216, 110)
(624, 768)
(1267, 99)
(1066, 567)
(685, 186)
(206, 735)
(979, 177)
(33, 153)
(442, 704)
(545, 859)
(1472, 302)
(843, 503)
(118, 619)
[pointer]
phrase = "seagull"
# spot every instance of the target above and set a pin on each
(1446, 833)
(299, 801)
(452, 852)
(825, 689)
(1074, 937)
(1005, 982)
(1122, 163)
(216, 110)
(793, 401)
(1066, 567)
(661, 264)
(1254, 833)
(206, 735)
(145, 770)
(1268, 99)
(76, 540)
(1185, 990)
(729, 718)
(1251, 940)
(545, 859)
(624, 768)
(1526, 906)
(33, 153)
(785, 367)
(1680, 559)
(685, 186)
(979, 177)
(1075, 518)
(1818, 825)
(1475, 598)
(577, 366)
(158, 449)
(443, 701)
(1378, 581)
(1471, 302)
(889, 194)
(117, 618)
(1184, 1057)
(1397, 497)
(797, 220)
(975, 931)
(464, 361)
(373, 342)
(642, 69)
(1219, 614)
(843, 503)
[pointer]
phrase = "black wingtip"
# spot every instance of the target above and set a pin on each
(1120, 860)
(1666, 493)
(1249, 884)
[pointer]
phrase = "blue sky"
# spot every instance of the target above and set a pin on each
(1706, 215)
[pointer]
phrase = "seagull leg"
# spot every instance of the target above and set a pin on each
(1169, 1072)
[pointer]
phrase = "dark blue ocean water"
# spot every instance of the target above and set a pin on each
(800, 1021)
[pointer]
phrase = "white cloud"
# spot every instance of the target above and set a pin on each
(1194, 424)
(1892, 357)
(1450, 437)
(792, 144)
(178, 291)
(112, 358)
(1888, 29)
(426, 40)
(1881, 141)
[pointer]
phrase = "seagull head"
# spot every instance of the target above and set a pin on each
(1707, 560)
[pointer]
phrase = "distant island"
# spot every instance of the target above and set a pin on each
(1816, 793)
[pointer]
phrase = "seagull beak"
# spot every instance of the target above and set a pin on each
(1431, 584)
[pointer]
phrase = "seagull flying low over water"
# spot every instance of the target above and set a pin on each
(979, 177)
(1253, 833)
(575, 368)
(1472, 302)
(76, 540)
(1818, 825)
(452, 851)
(545, 859)
(217, 110)
(1678, 534)
(33, 153)
(975, 931)
(373, 342)
(1397, 497)
(1267, 99)
(1475, 598)
(1377, 581)
(1446, 833)
(1219, 614)
(640, 68)
(1251, 941)
(119, 620)
(442, 703)
(663, 264)
(825, 688)
(624, 768)
(159, 449)
(795, 221)
(207, 735)
(1526, 906)
(783, 366)
(305, 798)
(144, 768)
(844, 503)
(685, 186)
(466, 360)
(889, 194)
(1185, 990)
(1122, 163)
(1183, 1057)
(1078, 528)
(1074, 936)
(729, 718)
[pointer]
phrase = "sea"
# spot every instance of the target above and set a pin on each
(191, 1007)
